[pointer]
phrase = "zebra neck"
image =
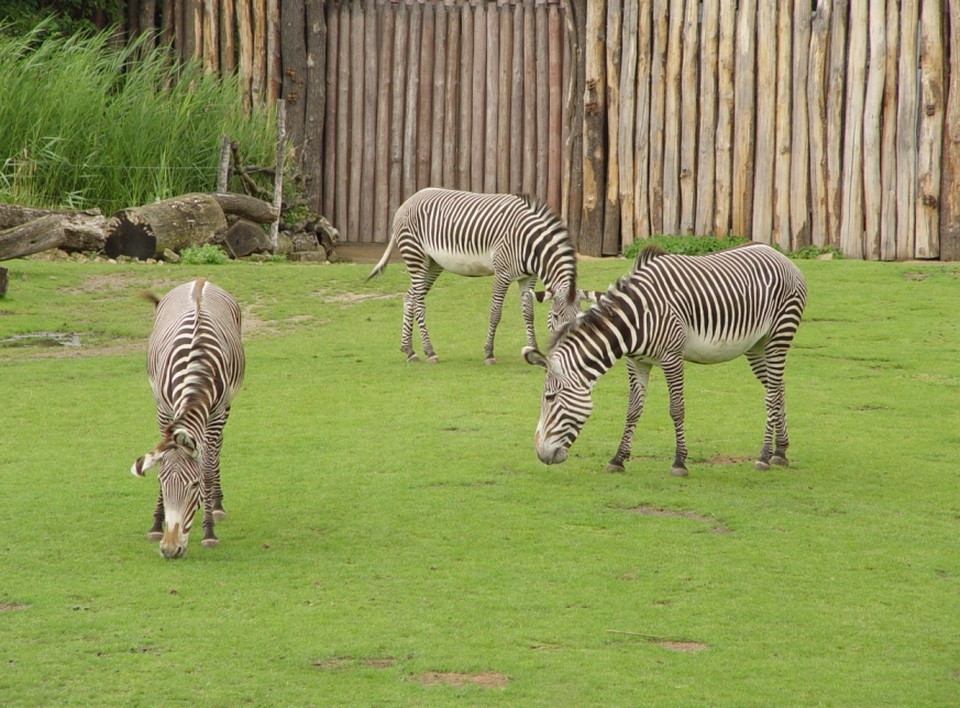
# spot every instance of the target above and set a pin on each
(597, 340)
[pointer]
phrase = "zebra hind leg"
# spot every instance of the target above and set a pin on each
(768, 368)
(422, 279)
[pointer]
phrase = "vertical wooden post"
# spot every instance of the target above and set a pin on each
(397, 113)
(465, 127)
(542, 100)
(817, 115)
(851, 218)
(657, 110)
(836, 82)
(223, 169)
(355, 123)
(950, 185)
(707, 150)
(423, 148)
(800, 140)
(611, 207)
(594, 129)
(368, 177)
(529, 178)
(330, 115)
(872, 112)
(641, 150)
(783, 155)
(411, 119)
(504, 71)
(673, 114)
(517, 114)
(554, 162)
(929, 147)
(687, 177)
(385, 89)
(278, 171)
(627, 127)
(888, 167)
(765, 148)
(723, 193)
(743, 137)
(479, 97)
(907, 131)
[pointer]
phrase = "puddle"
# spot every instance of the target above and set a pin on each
(42, 339)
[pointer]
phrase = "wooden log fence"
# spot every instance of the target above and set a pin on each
(826, 123)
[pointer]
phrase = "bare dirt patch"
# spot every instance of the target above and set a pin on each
(343, 663)
(681, 646)
(716, 526)
(728, 460)
(487, 679)
(5, 607)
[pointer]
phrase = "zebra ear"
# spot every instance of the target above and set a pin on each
(591, 296)
(185, 440)
(146, 462)
(535, 357)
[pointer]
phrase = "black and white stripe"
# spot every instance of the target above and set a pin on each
(670, 309)
(195, 363)
(510, 237)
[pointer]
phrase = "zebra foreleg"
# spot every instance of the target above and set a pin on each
(156, 531)
(637, 374)
(496, 311)
(526, 307)
(673, 371)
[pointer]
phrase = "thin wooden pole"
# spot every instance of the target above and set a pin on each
(278, 171)
(930, 134)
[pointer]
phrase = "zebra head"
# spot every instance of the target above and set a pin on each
(564, 408)
(180, 485)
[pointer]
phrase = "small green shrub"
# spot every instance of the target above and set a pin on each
(809, 253)
(207, 254)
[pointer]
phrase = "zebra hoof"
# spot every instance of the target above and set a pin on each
(433, 359)
(678, 472)
(761, 465)
(219, 514)
(613, 466)
(412, 358)
(210, 542)
(490, 360)
(780, 460)
(154, 535)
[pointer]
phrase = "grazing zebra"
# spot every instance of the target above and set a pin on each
(195, 364)
(705, 309)
(512, 238)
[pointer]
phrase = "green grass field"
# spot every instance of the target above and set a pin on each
(392, 539)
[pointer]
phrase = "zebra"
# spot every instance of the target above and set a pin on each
(195, 363)
(669, 309)
(513, 238)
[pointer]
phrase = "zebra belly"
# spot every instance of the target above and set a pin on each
(714, 349)
(469, 264)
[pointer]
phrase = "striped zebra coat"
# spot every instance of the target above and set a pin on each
(670, 309)
(512, 238)
(195, 363)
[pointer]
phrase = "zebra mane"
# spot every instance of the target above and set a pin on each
(647, 254)
(600, 311)
(566, 249)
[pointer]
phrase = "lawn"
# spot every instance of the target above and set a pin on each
(392, 539)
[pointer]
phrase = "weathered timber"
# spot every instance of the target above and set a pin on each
(950, 189)
(3, 282)
(245, 207)
(143, 232)
(83, 231)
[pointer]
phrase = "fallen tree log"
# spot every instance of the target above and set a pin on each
(82, 230)
(146, 231)
(249, 208)
(14, 215)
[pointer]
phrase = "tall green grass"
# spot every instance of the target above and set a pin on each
(87, 124)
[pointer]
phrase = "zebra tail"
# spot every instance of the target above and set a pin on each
(149, 296)
(379, 268)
